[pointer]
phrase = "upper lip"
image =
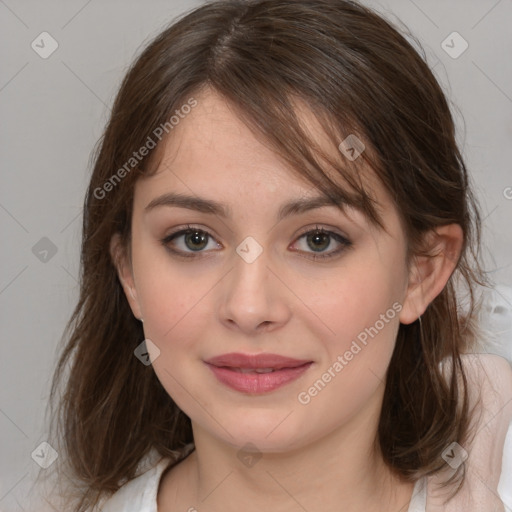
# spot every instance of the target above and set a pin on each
(256, 361)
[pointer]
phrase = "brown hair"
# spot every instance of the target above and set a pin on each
(358, 75)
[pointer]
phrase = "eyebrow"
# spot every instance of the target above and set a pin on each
(210, 206)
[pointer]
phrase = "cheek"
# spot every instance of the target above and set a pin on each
(172, 313)
(175, 318)
(361, 309)
(356, 299)
(169, 293)
(352, 375)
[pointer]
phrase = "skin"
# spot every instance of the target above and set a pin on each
(320, 455)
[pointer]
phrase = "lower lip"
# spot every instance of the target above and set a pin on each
(257, 382)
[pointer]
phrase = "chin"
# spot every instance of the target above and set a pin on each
(265, 430)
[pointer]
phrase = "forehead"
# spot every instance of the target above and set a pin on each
(213, 153)
(214, 140)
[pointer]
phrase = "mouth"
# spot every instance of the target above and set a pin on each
(251, 370)
(256, 374)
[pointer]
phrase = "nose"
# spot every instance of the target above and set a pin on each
(253, 298)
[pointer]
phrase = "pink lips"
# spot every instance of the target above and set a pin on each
(258, 373)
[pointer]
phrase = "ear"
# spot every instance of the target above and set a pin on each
(123, 265)
(429, 274)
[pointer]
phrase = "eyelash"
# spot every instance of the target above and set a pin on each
(345, 243)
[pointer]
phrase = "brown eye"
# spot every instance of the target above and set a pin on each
(185, 242)
(318, 240)
(196, 240)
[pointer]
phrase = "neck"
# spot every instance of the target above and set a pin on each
(343, 470)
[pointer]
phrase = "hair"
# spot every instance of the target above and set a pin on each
(358, 75)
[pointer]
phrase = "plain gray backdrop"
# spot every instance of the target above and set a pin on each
(53, 110)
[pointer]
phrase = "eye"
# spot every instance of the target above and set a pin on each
(194, 240)
(320, 239)
(186, 242)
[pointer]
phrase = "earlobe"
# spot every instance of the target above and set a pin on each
(429, 274)
(124, 273)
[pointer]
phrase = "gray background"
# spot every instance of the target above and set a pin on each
(53, 111)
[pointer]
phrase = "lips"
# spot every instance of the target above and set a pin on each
(259, 373)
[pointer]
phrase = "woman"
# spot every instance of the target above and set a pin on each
(277, 233)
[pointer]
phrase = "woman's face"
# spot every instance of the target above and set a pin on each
(247, 284)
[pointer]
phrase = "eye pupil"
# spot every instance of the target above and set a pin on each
(318, 238)
(196, 237)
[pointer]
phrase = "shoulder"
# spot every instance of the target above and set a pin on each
(485, 452)
(489, 382)
(140, 493)
(490, 373)
(489, 379)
